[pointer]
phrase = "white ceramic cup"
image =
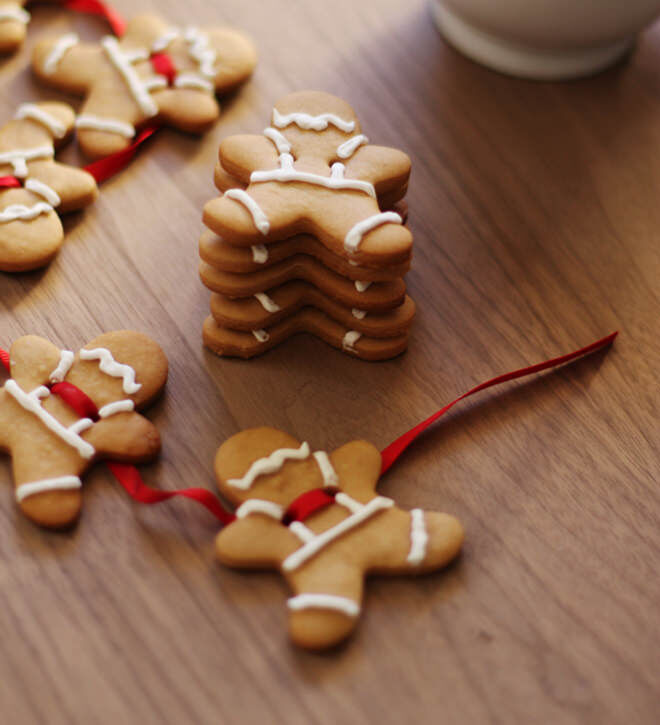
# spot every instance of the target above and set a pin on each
(544, 39)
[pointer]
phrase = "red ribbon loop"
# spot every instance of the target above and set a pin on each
(397, 447)
(106, 167)
(164, 65)
(74, 397)
(96, 7)
(306, 504)
(10, 182)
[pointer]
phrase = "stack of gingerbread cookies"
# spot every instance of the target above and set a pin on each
(307, 236)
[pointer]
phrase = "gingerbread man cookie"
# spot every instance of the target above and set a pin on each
(51, 446)
(317, 518)
(314, 172)
(13, 22)
(34, 187)
(154, 72)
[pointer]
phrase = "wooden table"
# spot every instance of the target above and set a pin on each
(537, 229)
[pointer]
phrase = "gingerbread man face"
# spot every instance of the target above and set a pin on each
(34, 187)
(317, 518)
(123, 90)
(313, 171)
(50, 445)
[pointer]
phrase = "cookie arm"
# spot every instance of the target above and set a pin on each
(74, 71)
(236, 58)
(255, 542)
(126, 437)
(417, 541)
(386, 168)
(241, 155)
(75, 187)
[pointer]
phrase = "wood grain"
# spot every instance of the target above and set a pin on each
(536, 220)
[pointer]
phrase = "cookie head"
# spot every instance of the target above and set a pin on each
(266, 464)
(314, 124)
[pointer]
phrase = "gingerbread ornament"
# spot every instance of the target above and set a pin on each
(13, 23)
(314, 172)
(34, 188)
(51, 446)
(154, 72)
(317, 518)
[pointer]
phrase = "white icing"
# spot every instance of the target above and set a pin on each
(362, 286)
(313, 123)
(57, 53)
(259, 253)
(286, 173)
(15, 13)
(62, 483)
(111, 367)
(20, 212)
(63, 367)
(43, 190)
(324, 601)
(267, 303)
(343, 499)
(32, 403)
(261, 335)
(259, 506)
(281, 144)
(355, 234)
(329, 474)
(35, 113)
(270, 464)
(122, 62)
(110, 125)
(160, 44)
(301, 531)
(358, 314)
(200, 50)
(192, 80)
(418, 538)
(155, 83)
(19, 157)
(348, 148)
(81, 425)
(119, 406)
(311, 548)
(350, 338)
(258, 216)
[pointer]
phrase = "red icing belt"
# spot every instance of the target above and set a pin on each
(312, 501)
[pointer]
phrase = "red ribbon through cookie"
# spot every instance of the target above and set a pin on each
(129, 477)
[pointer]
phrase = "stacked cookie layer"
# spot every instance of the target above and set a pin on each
(299, 241)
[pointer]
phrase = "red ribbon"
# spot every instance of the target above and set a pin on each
(311, 501)
(74, 397)
(397, 447)
(106, 167)
(129, 477)
(10, 182)
(306, 504)
(96, 7)
(164, 65)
